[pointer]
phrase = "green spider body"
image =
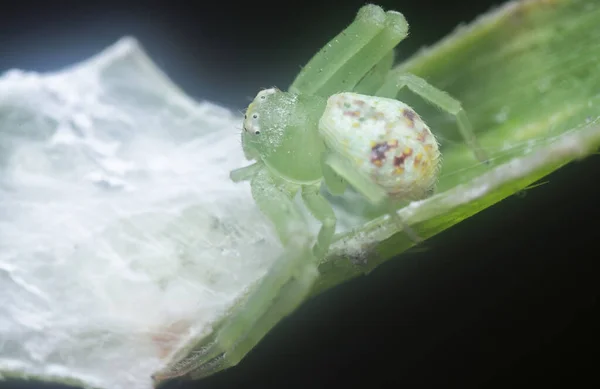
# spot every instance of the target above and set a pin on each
(382, 139)
(339, 124)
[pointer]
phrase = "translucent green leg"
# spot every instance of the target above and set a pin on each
(322, 211)
(373, 193)
(369, 22)
(335, 184)
(363, 185)
(345, 60)
(373, 80)
(397, 81)
(349, 75)
(276, 295)
(245, 173)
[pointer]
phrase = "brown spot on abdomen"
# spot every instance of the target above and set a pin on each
(423, 135)
(410, 116)
(399, 159)
(378, 153)
(379, 150)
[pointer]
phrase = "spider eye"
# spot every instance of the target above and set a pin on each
(245, 116)
(256, 132)
(255, 116)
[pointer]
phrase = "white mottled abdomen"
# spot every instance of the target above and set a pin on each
(386, 140)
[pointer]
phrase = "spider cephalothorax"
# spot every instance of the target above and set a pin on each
(282, 129)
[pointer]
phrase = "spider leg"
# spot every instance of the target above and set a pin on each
(276, 295)
(344, 61)
(336, 185)
(375, 77)
(245, 173)
(373, 193)
(285, 286)
(320, 208)
(397, 80)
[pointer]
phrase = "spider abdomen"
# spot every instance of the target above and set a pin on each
(384, 139)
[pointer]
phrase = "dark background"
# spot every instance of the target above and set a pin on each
(505, 299)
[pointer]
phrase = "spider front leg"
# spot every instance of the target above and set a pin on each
(245, 173)
(397, 80)
(346, 59)
(284, 287)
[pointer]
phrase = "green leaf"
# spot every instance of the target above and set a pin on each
(528, 75)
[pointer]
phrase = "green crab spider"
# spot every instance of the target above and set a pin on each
(338, 124)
